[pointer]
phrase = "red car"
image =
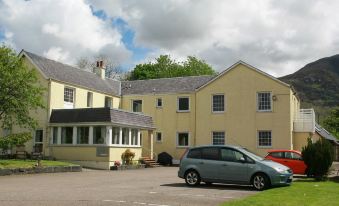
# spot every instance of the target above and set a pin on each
(289, 158)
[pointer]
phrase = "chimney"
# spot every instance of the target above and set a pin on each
(100, 69)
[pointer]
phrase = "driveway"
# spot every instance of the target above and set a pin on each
(150, 187)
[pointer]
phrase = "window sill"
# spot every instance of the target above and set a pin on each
(264, 147)
(264, 111)
(218, 112)
(182, 147)
(183, 111)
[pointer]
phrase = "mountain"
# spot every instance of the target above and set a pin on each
(317, 85)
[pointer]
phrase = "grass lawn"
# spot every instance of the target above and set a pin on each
(10, 164)
(303, 192)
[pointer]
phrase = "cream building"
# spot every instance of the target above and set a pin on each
(91, 120)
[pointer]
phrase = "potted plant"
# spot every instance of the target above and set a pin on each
(127, 156)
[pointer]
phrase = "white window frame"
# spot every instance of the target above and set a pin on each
(212, 101)
(258, 143)
(177, 140)
(212, 137)
(68, 104)
(156, 137)
(110, 102)
(132, 103)
(157, 102)
(189, 103)
(271, 101)
(89, 100)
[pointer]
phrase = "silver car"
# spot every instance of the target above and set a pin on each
(231, 165)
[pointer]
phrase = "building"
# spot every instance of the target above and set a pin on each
(91, 120)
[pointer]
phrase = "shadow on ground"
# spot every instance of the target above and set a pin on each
(213, 186)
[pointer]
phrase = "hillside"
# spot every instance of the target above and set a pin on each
(317, 84)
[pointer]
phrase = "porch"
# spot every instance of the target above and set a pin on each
(96, 137)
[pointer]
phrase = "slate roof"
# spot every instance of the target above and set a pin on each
(103, 114)
(325, 134)
(164, 85)
(66, 73)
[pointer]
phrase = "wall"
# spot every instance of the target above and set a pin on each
(241, 120)
(115, 154)
(167, 120)
(300, 139)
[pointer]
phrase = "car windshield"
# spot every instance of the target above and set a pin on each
(251, 154)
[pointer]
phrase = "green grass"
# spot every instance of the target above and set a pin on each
(300, 193)
(11, 164)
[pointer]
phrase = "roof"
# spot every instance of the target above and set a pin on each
(325, 134)
(164, 85)
(248, 66)
(65, 73)
(103, 114)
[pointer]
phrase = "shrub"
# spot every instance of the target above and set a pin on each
(127, 156)
(318, 157)
(14, 139)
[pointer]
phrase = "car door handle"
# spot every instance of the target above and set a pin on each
(201, 163)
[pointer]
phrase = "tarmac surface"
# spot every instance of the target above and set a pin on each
(149, 187)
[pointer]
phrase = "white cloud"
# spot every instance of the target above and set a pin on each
(276, 36)
(63, 30)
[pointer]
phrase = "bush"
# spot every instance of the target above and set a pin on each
(318, 157)
(14, 139)
(127, 156)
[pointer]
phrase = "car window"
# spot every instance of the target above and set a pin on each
(231, 155)
(292, 155)
(210, 153)
(277, 154)
(194, 154)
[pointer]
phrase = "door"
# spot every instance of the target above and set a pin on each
(209, 163)
(294, 161)
(233, 167)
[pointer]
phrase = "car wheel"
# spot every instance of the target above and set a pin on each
(260, 182)
(192, 178)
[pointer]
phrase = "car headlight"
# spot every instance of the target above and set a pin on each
(281, 170)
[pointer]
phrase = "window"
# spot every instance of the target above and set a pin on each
(218, 138)
(277, 154)
(292, 155)
(89, 99)
(68, 95)
(125, 136)
(210, 153)
(38, 136)
(137, 105)
(158, 137)
(183, 104)
(134, 136)
(264, 101)
(99, 135)
(66, 135)
(194, 154)
(159, 102)
(264, 139)
(182, 139)
(218, 103)
(68, 98)
(231, 155)
(82, 135)
(6, 132)
(108, 102)
(115, 135)
(55, 135)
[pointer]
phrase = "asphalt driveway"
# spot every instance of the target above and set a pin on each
(150, 187)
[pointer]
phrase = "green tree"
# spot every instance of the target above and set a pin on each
(318, 157)
(19, 91)
(331, 123)
(165, 67)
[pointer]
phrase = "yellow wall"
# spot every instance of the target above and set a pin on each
(167, 120)
(115, 153)
(300, 139)
(241, 120)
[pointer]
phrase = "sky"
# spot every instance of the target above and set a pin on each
(278, 37)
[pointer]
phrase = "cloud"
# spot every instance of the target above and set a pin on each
(62, 30)
(278, 37)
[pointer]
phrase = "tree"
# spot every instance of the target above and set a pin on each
(318, 157)
(331, 123)
(165, 67)
(113, 69)
(19, 91)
